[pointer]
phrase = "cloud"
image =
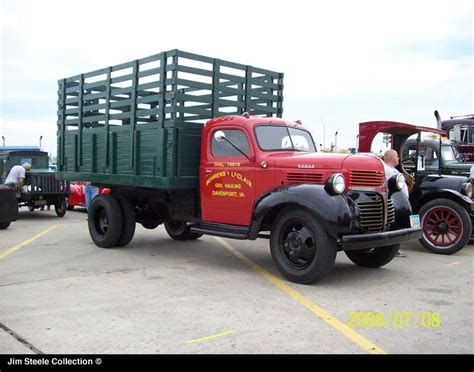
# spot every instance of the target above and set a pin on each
(344, 61)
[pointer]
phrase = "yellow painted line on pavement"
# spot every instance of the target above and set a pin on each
(226, 333)
(453, 263)
(26, 242)
(466, 254)
(307, 303)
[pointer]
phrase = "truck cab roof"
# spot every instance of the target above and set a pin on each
(249, 121)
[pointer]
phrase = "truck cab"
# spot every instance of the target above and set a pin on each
(262, 177)
(439, 155)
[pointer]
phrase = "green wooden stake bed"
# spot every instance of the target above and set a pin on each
(139, 123)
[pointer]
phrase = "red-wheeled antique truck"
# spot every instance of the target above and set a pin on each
(137, 129)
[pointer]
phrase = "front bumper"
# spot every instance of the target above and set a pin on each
(379, 239)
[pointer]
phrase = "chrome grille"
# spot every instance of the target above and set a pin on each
(296, 177)
(367, 178)
(371, 212)
(390, 213)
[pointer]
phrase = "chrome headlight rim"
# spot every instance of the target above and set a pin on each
(396, 182)
(400, 181)
(466, 189)
(336, 184)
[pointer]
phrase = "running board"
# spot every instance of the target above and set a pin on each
(224, 231)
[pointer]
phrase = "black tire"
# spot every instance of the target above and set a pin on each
(373, 257)
(179, 230)
(31, 208)
(4, 225)
(128, 221)
(446, 225)
(150, 224)
(70, 207)
(105, 221)
(301, 248)
(61, 207)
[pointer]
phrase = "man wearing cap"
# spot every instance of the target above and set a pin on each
(16, 177)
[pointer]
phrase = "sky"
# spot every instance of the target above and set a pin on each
(345, 62)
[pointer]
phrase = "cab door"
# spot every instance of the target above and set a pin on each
(227, 178)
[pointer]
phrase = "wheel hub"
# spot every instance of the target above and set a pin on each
(104, 222)
(294, 244)
(298, 244)
(442, 228)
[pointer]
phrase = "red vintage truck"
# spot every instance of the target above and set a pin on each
(240, 175)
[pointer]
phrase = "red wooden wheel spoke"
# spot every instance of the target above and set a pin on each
(449, 239)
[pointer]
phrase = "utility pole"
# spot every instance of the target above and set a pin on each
(335, 141)
(324, 134)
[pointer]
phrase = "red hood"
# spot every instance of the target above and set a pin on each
(359, 169)
(336, 162)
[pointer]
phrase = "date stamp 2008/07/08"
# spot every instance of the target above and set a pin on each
(394, 319)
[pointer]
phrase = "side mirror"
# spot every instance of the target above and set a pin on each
(219, 136)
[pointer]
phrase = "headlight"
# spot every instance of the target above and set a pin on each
(396, 182)
(336, 184)
(400, 181)
(466, 189)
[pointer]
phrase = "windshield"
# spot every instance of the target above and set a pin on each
(450, 153)
(282, 138)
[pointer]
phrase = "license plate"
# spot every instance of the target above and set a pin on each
(40, 202)
(415, 220)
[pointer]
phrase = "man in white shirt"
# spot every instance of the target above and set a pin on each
(390, 158)
(16, 177)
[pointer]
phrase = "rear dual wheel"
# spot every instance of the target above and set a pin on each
(111, 221)
(4, 225)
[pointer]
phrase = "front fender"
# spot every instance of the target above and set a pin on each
(333, 211)
(443, 193)
(403, 209)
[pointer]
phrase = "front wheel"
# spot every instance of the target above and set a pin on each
(446, 226)
(373, 257)
(179, 230)
(301, 248)
(61, 207)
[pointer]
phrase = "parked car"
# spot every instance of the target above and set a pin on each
(443, 201)
(77, 195)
